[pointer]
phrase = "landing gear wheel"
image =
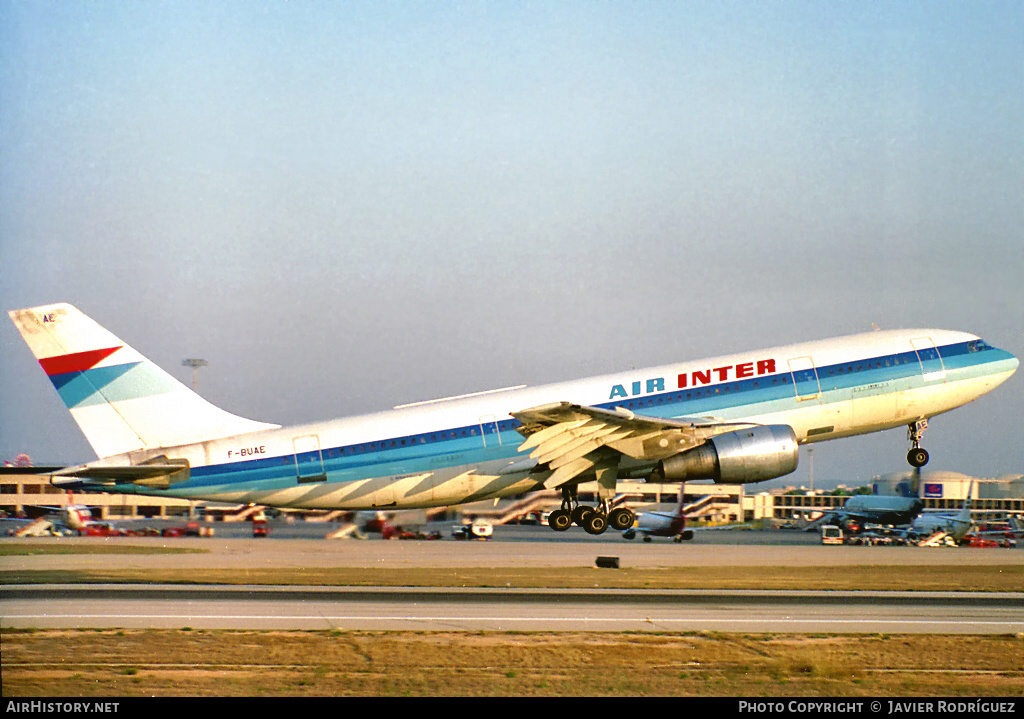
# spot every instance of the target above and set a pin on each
(580, 514)
(621, 519)
(559, 520)
(595, 523)
(917, 457)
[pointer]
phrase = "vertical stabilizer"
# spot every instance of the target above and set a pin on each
(965, 512)
(120, 400)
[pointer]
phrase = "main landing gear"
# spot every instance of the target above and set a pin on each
(917, 456)
(594, 520)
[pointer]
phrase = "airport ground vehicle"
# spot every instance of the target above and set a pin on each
(831, 534)
(477, 529)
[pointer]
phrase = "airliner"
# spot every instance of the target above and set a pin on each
(738, 418)
(899, 509)
(662, 524)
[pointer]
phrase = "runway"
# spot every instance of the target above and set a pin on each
(426, 609)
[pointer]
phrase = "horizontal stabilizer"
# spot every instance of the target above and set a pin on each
(157, 475)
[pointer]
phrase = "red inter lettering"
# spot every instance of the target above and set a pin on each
(743, 370)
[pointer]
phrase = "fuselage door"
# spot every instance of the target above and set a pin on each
(932, 368)
(489, 431)
(309, 461)
(805, 378)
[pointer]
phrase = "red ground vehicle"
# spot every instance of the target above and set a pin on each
(102, 530)
(974, 541)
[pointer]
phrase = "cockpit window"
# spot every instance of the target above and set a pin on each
(977, 346)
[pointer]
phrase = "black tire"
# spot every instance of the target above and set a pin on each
(580, 514)
(917, 457)
(595, 523)
(559, 520)
(621, 519)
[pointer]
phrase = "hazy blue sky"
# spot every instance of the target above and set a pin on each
(347, 206)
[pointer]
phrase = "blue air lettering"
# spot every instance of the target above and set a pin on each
(652, 385)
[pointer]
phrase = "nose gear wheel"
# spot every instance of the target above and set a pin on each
(917, 457)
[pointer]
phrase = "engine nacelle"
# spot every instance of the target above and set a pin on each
(748, 455)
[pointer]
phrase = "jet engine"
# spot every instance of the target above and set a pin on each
(748, 455)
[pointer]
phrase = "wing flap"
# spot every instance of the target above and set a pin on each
(570, 438)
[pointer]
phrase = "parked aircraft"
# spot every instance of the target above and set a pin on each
(58, 520)
(661, 524)
(955, 525)
(732, 419)
(894, 510)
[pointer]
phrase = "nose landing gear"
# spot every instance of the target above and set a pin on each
(917, 456)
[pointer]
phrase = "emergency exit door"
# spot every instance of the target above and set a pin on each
(805, 378)
(309, 461)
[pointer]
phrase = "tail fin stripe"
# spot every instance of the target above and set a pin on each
(77, 362)
(80, 389)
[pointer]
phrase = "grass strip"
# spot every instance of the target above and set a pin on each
(184, 662)
(36, 550)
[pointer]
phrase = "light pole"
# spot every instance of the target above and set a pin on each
(195, 364)
(810, 465)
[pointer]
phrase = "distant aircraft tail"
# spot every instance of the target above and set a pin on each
(965, 512)
(121, 400)
(910, 486)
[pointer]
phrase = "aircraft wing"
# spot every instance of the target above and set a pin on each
(572, 439)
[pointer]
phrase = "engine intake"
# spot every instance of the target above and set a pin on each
(749, 455)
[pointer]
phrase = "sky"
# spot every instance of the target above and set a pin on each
(343, 207)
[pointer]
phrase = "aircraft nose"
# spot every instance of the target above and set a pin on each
(1012, 362)
(1008, 361)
